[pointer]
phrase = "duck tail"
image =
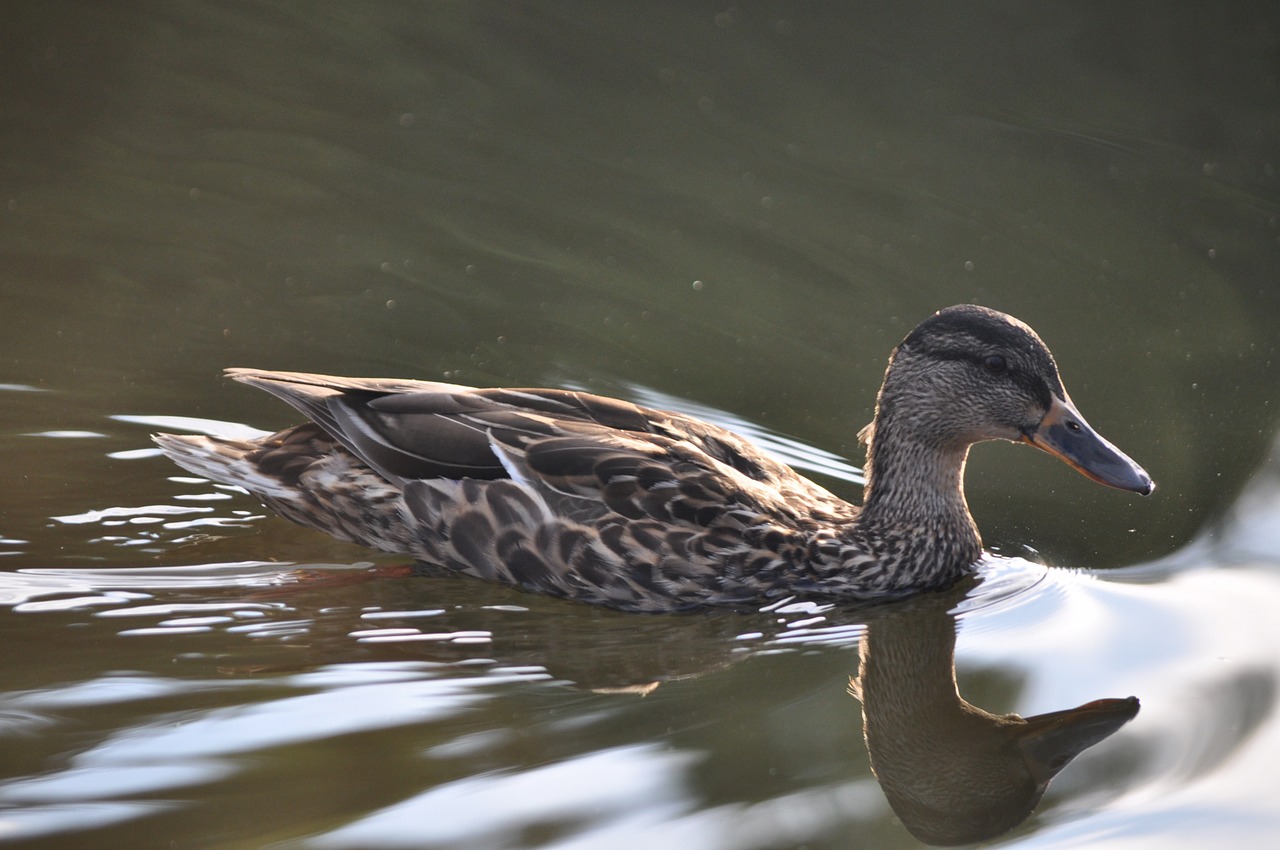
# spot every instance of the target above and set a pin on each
(224, 460)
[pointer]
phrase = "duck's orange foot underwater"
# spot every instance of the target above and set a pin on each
(306, 580)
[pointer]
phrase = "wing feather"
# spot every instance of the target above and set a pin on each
(635, 461)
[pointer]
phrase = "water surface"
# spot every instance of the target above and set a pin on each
(732, 210)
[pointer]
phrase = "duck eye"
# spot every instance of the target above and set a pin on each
(995, 364)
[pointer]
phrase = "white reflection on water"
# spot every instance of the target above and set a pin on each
(104, 782)
(626, 788)
(785, 821)
(342, 708)
(180, 749)
(118, 586)
(626, 797)
(33, 821)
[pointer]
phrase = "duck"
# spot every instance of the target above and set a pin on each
(599, 500)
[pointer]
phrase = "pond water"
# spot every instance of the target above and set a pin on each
(736, 210)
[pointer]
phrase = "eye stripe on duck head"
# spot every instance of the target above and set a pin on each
(972, 333)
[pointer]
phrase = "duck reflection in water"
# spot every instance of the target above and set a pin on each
(952, 772)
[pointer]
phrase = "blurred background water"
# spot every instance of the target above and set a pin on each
(737, 209)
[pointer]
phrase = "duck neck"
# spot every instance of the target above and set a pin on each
(907, 682)
(915, 483)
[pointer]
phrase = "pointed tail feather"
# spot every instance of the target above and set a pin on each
(223, 460)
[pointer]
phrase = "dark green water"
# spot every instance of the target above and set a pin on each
(739, 209)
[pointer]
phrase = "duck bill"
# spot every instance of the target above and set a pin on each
(1065, 434)
(1049, 741)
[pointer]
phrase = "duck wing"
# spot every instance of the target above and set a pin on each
(587, 453)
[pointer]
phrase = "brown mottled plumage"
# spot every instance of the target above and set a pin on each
(600, 500)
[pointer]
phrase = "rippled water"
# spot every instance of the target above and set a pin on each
(734, 211)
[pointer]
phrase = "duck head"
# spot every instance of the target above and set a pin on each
(968, 374)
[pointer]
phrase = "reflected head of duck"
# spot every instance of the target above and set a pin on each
(951, 771)
(985, 782)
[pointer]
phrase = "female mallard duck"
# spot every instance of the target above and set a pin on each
(595, 499)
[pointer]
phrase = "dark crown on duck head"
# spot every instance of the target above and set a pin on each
(976, 334)
(966, 374)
